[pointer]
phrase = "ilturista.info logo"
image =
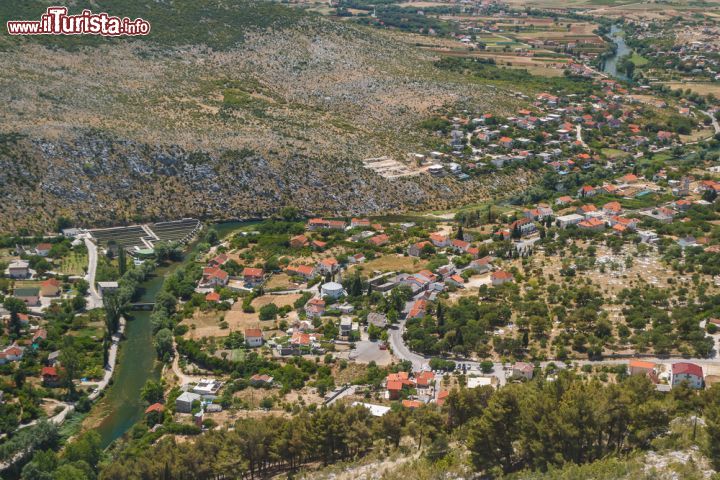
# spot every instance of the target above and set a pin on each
(56, 21)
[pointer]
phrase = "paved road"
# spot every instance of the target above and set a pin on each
(401, 350)
(112, 361)
(578, 130)
(183, 378)
(94, 299)
(715, 123)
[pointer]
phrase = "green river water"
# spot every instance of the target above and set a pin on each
(136, 363)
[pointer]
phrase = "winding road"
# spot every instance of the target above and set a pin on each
(715, 123)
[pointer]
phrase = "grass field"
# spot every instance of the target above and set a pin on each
(207, 324)
(74, 264)
(279, 282)
(393, 263)
(613, 152)
(638, 60)
(703, 88)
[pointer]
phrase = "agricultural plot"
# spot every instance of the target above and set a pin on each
(144, 236)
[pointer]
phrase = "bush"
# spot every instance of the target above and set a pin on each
(268, 312)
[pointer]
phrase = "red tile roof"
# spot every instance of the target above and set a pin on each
(253, 332)
(501, 275)
(687, 368)
(155, 407)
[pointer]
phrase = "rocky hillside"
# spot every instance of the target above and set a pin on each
(279, 112)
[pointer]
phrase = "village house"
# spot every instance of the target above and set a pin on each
(305, 271)
(584, 210)
(19, 269)
(50, 377)
(523, 369)
(184, 403)
(317, 224)
(612, 208)
(360, 222)
(564, 200)
(214, 277)
(11, 354)
(212, 297)
(207, 387)
(259, 380)
(315, 307)
(299, 241)
(439, 239)
(253, 337)
(455, 280)
(318, 245)
(481, 265)
(459, 246)
(424, 379)
(587, 191)
(395, 382)
(252, 277)
(523, 226)
(628, 223)
(29, 295)
(328, 265)
(415, 250)
(379, 240)
(629, 178)
(107, 287)
(50, 287)
(417, 309)
(43, 249)
(539, 213)
(593, 224)
(640, 367)
(155, 407)
(687, 372)
(500, 277)
(357, 258)
(219, 260)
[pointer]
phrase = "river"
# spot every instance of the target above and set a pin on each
(136, 363)
(610, 63)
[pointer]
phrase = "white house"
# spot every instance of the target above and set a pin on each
(565, 221)
(253, 337)
(19, 269)
(686, 371)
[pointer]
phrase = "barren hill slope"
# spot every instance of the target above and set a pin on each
(243, 119)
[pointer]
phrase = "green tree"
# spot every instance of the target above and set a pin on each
(15, 306)
(164, 344)
(72, 364)
(152, 391)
